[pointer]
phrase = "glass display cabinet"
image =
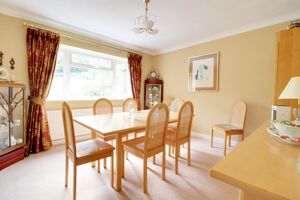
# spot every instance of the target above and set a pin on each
(12, 123)
(153, 92)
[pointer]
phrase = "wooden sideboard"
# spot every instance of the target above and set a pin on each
(262, 167)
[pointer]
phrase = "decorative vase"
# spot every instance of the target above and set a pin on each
(19, 140)
(13, 141)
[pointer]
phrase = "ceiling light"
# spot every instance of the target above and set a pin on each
(145, 23)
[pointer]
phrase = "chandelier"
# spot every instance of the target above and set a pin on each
(145, 23)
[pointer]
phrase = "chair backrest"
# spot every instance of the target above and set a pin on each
(185, 119)
(176, 105)
(239, 114)
(126, 103)
(68, 128)
(157, 123)
(168, 100)
(102, 106)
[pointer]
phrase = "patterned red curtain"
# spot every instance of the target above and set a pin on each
(42, 48)
(135, 68)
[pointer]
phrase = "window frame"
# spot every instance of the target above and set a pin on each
(68, 51)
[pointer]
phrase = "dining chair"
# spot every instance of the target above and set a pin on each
(103, 106)
(128, 104)
(182, 133)
(235, 127)
(82, 152)
(168, 100)
(174, 107)
(152, 143)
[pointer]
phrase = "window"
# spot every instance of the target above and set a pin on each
(87, 75)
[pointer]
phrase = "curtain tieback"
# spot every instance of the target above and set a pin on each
(37, 100)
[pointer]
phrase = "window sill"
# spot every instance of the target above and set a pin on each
(78, 104)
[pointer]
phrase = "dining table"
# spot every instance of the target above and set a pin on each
(118, 124)
(264, 167)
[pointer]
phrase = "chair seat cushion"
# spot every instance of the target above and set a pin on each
(172, 126)
(136, 144)
(171, 134)
(225, 127)
(93, 148)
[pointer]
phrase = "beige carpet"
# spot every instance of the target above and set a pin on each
(41, 177)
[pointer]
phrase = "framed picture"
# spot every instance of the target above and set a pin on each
(203, 72)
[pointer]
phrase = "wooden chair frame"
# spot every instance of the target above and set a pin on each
(94, 135)
(175, 106)
(177, 142)
(168, 100)
(126, 102)
(125, 109)
(105, 151)
(230, 129)
(130, 146)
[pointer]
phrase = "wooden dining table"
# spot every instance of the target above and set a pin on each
(119, 124)
(263, 166)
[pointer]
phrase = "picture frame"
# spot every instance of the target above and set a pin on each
(204, 72)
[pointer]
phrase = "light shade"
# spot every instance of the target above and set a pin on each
(292, 89)
(145, 23)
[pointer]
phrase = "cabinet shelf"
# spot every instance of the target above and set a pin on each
(4, 127)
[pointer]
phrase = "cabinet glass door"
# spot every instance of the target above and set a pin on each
(4, 124)
(153, 94)
(11, 117)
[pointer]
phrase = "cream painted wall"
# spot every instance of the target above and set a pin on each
(13, 44)
(246, 71)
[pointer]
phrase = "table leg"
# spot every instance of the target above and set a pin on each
(119, 163)
(93, 136)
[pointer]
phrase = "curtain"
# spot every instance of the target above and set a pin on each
(42, 48)
(135, 68)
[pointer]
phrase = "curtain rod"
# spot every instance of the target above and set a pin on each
(77, 38)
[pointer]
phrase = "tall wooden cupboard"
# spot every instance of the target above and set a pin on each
(287, 63)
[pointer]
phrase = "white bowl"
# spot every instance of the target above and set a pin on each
(286, 129)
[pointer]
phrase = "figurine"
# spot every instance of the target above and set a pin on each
(12, 63)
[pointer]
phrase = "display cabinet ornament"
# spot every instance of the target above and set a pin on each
(153, 90)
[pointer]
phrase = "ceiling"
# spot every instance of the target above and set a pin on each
(181, 23)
